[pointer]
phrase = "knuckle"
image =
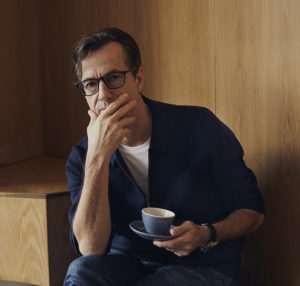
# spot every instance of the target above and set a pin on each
(170, 245)
(113, 105)
(189, 223)
(120, 132)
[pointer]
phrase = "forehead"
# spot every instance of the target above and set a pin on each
(108, 58)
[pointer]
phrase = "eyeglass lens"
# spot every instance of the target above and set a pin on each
(113, 81)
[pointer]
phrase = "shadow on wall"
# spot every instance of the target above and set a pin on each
(272, 255)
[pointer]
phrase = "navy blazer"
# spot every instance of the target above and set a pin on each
(196, 170)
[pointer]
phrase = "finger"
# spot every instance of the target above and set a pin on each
(165, 244)
(123, 110)
(120, 128)
(93, 116)
(181, 229)
(116, 104)
(126, 121)
(178, 252)
(178, 242)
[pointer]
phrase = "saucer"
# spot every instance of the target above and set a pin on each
(137, 227)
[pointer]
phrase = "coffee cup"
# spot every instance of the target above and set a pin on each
(157, 221)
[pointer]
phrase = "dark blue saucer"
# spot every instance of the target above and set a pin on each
(137, 227)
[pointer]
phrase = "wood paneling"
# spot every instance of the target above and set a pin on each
(34, 227)
(176, 39)
(239, 58)
(257, 88)
(34, 239)
(64, 23)
(38, 178)
(21, 96)
(60, 251)
(177, 45)
(23, 240)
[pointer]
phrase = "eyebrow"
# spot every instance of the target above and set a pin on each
(108, 73)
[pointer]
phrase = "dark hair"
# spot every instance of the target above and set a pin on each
(95, 41)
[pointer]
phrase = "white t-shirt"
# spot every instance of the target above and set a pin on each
(137, 160)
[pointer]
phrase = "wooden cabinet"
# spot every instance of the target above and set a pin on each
(34, 228)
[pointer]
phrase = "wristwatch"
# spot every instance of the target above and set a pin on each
(213, 238)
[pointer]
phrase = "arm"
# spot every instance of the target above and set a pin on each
(239, 223)
(236, 187)
(92, 222)
(191, 236)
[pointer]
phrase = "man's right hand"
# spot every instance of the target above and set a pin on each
(106, 131)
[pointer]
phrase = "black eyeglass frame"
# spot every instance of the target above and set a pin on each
(79, 84)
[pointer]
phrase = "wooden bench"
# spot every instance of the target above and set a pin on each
(34, 229)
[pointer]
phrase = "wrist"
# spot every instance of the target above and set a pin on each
(95, 160)
(212, 237)
(96, 167)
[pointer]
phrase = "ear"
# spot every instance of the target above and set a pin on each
(140, 79)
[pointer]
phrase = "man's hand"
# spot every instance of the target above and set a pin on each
(189, 237)
(106, 131)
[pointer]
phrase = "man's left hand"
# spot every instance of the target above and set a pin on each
(189, 236)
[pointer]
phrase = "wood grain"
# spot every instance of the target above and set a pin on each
(21, 97)
(34, 228)
(239, 58)
(66, 115)
(258, 86)
(177, 45)
(34, 240)
(23, 241)
(36, 178)
(176, 39)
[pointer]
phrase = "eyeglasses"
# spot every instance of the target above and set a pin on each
(112, 80)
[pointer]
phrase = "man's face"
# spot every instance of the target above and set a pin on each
(110, 58)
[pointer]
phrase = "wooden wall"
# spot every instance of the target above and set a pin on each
(21, 96)
(240, 58)
(258, 96)
(179, 65)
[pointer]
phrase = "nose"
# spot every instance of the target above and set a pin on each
(104, 92)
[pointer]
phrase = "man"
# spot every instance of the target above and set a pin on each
(140, 153)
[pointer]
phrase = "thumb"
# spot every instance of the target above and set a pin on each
(178, 230)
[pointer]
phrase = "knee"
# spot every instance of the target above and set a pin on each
(82, 270)
(83, 264)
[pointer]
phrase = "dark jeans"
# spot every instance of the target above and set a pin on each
(118, 269)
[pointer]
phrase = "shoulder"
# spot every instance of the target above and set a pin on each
(183, 117)
(179, 112)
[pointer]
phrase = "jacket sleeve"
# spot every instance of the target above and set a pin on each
(235, 183)
(75, 175)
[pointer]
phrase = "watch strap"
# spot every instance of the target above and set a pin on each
(213, 238)
(213, 232)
